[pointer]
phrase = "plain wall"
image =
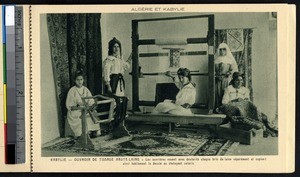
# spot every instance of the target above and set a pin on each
(49, 110)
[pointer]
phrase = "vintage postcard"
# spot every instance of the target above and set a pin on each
(162, 88)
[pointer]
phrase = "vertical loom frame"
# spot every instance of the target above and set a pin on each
(136, 42)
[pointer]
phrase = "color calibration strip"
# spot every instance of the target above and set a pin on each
(14, 120)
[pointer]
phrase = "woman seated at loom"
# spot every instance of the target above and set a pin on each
(238, 107)
(184, 99)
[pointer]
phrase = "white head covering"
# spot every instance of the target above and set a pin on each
(226, 59)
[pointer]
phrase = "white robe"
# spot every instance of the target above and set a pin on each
(187, 94)
(74, 98)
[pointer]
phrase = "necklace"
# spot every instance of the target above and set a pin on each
(80, 90)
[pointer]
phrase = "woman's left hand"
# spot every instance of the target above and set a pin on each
(129, 58)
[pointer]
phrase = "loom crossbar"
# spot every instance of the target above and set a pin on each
(188, 40)
(196, 119)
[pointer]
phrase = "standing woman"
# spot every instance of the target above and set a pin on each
(225, 66)
(114, 67)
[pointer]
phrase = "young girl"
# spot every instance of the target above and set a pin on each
(185, 98)
(74, 100)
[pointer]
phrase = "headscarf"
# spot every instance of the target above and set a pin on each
(228, 58)
(111, 44)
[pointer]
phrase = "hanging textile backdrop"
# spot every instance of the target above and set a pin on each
(75, 43)
(240, 44)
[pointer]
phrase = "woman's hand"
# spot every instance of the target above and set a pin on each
(169, 74)
(129, 58)
(240, 99)
(228, 74)
(237, 100)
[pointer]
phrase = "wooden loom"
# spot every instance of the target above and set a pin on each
(99, 116)
(208, 117)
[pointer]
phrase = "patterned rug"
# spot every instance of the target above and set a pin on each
(156, 145)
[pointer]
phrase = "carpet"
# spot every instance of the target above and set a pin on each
(153, 144)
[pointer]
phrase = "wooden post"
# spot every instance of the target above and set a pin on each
(83, 128)
(211, 64)
(135, 66)
(111, 110)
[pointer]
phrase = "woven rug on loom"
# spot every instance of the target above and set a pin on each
(156, 145)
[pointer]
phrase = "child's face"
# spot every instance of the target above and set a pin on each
(79, 81)
(116, 49)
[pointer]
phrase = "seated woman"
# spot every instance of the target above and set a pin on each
(184, 99)
(236, 102)
(74, 100)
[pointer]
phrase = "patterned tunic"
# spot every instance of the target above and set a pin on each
(232, 93)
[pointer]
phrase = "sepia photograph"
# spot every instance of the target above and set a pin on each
(158, 84)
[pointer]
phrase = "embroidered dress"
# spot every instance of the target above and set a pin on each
(232, 93)
(225, 66)
(186, 96)
(114, 68)
(74, 98)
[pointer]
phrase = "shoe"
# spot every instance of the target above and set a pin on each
(93, 134)
(266, 134)
(98, 133)
(272, 133)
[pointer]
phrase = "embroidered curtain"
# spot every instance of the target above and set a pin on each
(240, 44)
(75, 43)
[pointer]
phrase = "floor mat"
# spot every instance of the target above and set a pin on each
(153, 144)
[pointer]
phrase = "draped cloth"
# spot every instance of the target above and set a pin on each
(75, 43)
(240, 43)
(249, 114)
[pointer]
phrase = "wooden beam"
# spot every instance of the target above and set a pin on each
(135, 66)
(210, 119)
(196, 40)
(189, 41)
(211, 64)
(84, 134)
(189, 53)
(147, 103)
